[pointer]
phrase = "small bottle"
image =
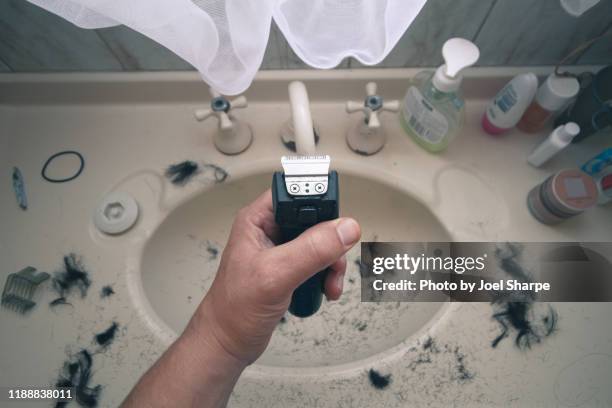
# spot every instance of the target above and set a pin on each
(598, 163)
(604, 185)
(433, 108)
(506, 109)
(554, 95)
(558, 140)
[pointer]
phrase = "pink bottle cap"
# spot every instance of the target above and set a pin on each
(490, 128)
(606, 182)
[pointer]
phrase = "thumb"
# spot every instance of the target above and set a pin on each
(314, 250)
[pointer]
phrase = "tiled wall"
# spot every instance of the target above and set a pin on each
(508, 32)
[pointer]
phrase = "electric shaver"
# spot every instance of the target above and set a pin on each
(305, 194)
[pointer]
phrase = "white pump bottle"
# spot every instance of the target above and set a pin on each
(432, 111)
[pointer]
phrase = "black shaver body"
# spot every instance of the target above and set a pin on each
(295, 214)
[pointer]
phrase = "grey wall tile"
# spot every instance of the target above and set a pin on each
(4, 67)
(277, 51)
(528, 32)
(439, 20)
(601, 51)
(279, 54)
(138, 52)
(32, 39)
(508, 32)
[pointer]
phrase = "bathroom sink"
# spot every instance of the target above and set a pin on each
(180, 260)
(161, 268)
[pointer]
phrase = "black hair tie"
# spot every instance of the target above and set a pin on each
(43, 172)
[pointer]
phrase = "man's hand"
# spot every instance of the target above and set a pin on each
(252, 290)
(253, 286)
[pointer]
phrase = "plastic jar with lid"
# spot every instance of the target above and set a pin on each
(552, 96)
(563, 195)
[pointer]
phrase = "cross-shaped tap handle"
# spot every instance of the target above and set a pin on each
(372, 105)
(220, 107)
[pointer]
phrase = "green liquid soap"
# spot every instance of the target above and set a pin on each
(433, 107)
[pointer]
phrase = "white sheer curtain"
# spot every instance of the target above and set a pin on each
(225, 39)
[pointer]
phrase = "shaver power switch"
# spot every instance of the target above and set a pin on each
(308, 215)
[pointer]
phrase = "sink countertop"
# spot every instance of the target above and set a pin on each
(131, 127)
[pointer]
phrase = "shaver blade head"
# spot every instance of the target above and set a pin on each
(306, 175)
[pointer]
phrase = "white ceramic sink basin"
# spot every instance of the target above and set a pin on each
(179, 264)
(131, 126)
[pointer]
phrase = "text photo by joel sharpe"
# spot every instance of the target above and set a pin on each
(486, 272)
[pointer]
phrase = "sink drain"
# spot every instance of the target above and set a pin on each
(116, 214)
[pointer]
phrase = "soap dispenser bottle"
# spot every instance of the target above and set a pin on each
(432, 111)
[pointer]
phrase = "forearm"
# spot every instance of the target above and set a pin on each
(193, 372)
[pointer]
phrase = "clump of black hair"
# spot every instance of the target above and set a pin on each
(432, 355)
(508, 256)
(549, 322)
(379, 381)
(421, 358)
(73, 275)
(361, 267)
(59, 301)
(180, 173)
(430, 345)
(220, 173)
(463, 374)
(212, 250)
(107, 336)
(107, 291)
(515, 311)
(360, 326)
(430, 348)
(76, 373)
(518, 316)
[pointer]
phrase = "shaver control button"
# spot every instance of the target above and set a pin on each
(307, 215)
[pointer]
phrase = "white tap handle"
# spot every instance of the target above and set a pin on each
(371, 108)
(391, 106)
(239, 103)
(371, 88)
(232, 135)
(373, 122)
(354, 106)
(202, 114)
(225, 123)
(368, 135)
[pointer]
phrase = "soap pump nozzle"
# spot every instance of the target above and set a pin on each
(458, 54)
